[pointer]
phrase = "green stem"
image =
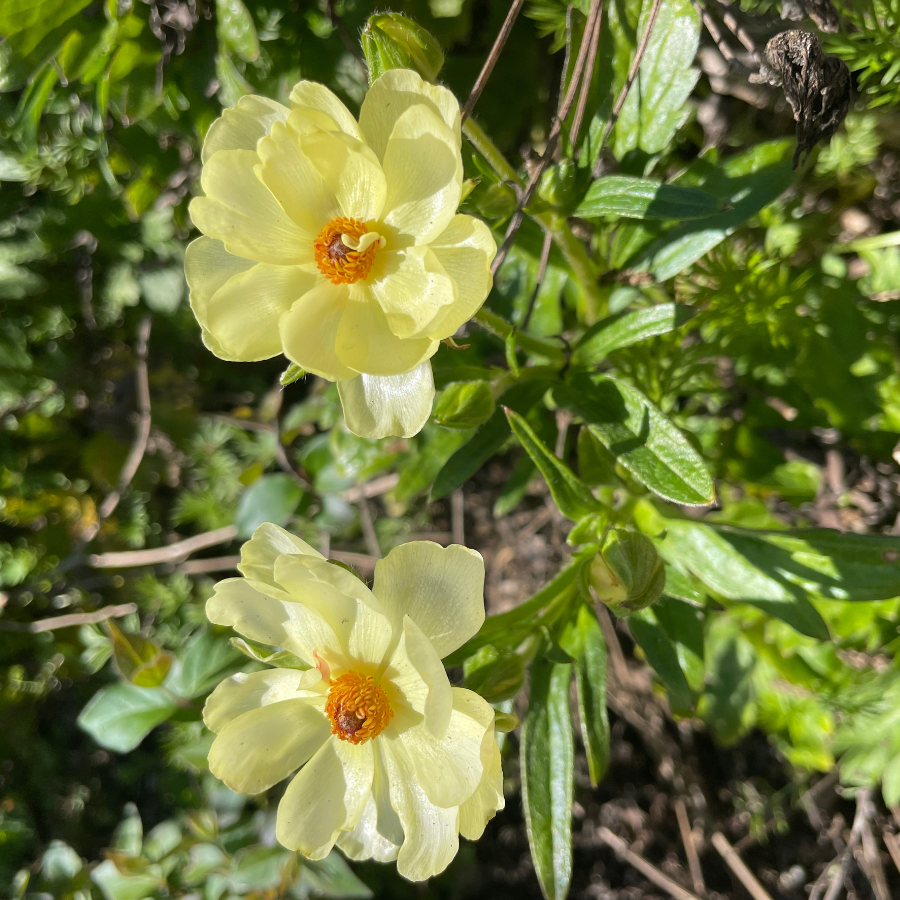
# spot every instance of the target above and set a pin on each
(499, 327)
(573, 250)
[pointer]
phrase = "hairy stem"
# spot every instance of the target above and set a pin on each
(499, 327)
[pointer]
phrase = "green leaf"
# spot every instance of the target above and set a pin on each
(616, 332)
(661, 655)
(747, 182)
(201, 665)
(137, 659)
(547, 761)
(655, 107)
(571, 495)
(584, 641)
(37, 17)
(331, 877)
(640, 437)
(114, 885)
(464, 404)
(515, 487)
(890, 785)
(261, 867)
(487, 440)
(716, 556)
(496, 676)
(236, 30)
(60, 863)
(120, 716)
(271, 498)
(419, 471)
(641, 198)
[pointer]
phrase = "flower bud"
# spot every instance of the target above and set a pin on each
(627, 574)
(392, 41)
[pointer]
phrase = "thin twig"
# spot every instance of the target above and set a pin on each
(864, 810)
(735, 27)
(170, 554)
(892, 842)
(552, 139)
(594, 43)
(142, 433)
(368, 528)
(542, 269)
(716, 34)
(690, 847)
(358, 560)
(374, 488)
(649, 871)
(212, 564)
(492, 59)
(632, 72)
(457, 521)
(737, 866)
(91, 618)
(872, 862)
(266, 428)
(616, 656)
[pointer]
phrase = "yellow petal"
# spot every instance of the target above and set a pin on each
(312, 97)
(243, 315)
(207, 267)
(376, 406)
(263, 746)
(240, 211)
(241, 127)
(309, 331)
(293, 179)
(365, 342)
(488, 799)
(465, 250)
(440, 588)
(412, 288)
(268, 542)
(350, 170)
(326, 797)
(417, 674)
(431, 834)
(247, 607)
(395, 92)
(342, 601)
(242, 692)
(449, 768)
(423, 169)
(378, 833)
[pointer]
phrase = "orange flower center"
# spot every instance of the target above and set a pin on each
(345, 250)
(357, 707)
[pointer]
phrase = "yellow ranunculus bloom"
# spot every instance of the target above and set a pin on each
(396, 763)
(337, 242)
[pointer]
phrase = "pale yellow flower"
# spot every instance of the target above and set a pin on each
(337, 242)
(396, 763)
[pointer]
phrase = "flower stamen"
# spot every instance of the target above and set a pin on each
(345, 250)
(357, 707)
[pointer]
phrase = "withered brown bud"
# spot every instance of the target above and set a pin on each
(816, 85)
(822, 12)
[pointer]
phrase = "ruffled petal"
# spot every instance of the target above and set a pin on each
(376, 406)
(341, 600)
(241, 127)
(350, 169)
(431, 834)
(241, 212)
(440, 588)
(423, 169)
(309, 331)
(412, 288)
(465, 250)
(488, 799)
(416, 673)
(207, 267)
(243, 314)
(279, 620)
(268, 542)
(327, 797)
(378, 833)
(292, 178)
(242, 692)
(263, 746)
(314, 98)
(365, 342)
(395, 92)
(449, 768)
